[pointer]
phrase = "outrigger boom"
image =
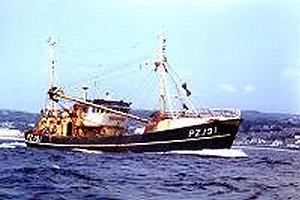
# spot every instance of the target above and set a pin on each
(56, 93)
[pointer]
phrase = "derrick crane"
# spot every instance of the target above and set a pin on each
(55, 94)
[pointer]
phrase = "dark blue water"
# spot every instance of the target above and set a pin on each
(27, 173)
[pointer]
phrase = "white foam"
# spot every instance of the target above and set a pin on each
(6, 145)
(228, 153)
(88, 151)
(12, 144)
(56, 166)
(11, 134)
(270, 148)
(11, 138)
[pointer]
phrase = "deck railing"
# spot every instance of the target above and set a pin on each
(211, 112)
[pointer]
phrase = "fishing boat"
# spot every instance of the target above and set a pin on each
(100, 124)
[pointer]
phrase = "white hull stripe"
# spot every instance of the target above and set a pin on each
(129, 144)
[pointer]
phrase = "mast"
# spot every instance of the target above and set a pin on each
(161, 68)
(51, 63)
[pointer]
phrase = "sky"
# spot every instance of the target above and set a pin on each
(232, 53)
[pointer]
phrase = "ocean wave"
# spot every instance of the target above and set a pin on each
(29, 173)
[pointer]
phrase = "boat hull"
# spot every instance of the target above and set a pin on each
(213, 135)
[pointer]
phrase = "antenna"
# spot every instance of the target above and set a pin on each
(51, 43)
(161, 53)
(85, 92)
(52, 62)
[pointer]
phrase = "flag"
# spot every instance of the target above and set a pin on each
(188, 92)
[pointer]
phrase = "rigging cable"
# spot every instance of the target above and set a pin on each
(188, 100)
(180, 93)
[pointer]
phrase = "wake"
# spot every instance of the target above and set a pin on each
(227, 153)
(268, 148)
(88, 151)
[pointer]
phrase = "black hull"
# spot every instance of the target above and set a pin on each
(214, 135)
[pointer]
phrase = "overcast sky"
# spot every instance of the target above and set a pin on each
(233, 53)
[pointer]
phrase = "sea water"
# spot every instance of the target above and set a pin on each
(240, 173)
